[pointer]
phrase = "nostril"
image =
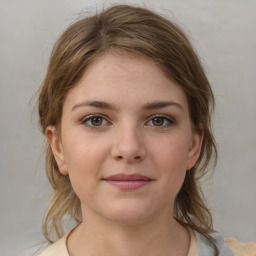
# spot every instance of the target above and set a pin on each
(128, 158)
(128, 152)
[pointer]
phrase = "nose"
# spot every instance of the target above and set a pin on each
(129, 145)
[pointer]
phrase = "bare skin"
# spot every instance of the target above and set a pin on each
(125, 116)
(147, 239)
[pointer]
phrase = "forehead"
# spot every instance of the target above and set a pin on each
(124, 78)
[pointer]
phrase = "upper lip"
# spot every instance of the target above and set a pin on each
(127, 177)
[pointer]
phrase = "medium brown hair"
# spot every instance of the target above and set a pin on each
(140, 32)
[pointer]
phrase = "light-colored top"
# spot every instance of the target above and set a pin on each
(199, 246)
(241, 249)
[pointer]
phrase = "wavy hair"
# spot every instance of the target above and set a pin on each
(140, 32)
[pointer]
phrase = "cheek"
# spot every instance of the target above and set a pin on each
(84, 152)
(171, 161)
(84, 159)
(173, 153)
(84, 163)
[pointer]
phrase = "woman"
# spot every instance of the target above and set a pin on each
(126, 108)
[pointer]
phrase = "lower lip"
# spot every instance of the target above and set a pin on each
(128, 184)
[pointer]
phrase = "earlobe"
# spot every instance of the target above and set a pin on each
(56, 146)
(195, 147)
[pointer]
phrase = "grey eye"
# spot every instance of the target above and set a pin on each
(96, 120)
(158, 121)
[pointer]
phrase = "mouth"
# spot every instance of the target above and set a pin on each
(128, 182)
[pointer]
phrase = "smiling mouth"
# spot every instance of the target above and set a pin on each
(128, 182)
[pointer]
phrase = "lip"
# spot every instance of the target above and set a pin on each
(128, 181)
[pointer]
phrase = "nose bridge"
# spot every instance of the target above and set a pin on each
(129, 142)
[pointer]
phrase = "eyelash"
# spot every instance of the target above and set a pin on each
(90, 118)
(168, 121)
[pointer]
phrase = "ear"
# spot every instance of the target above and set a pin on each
(55, 143)
(195, 146)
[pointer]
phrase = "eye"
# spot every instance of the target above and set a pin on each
(160, 121)
(95, 121)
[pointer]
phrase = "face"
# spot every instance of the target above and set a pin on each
(126, 140)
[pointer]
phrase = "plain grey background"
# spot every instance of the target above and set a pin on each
(223, 32)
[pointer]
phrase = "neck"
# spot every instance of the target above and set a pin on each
(161, 236)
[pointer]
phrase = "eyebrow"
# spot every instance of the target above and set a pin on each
(147, 106)
(92, 103)
(162, 104)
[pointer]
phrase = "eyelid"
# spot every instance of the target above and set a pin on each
(165, 117)
(171, 121)
(88, 117)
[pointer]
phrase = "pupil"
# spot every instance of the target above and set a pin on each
(96, 121)
(158, 121)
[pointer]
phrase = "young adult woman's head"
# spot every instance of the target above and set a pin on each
(140, 64)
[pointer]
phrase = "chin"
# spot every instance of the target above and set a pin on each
(129, 219)
(128, 214)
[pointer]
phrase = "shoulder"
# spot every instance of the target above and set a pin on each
(227, 247)
(205, 247)
(241, 249)
(59, 248)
